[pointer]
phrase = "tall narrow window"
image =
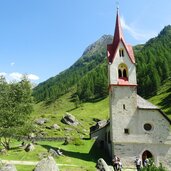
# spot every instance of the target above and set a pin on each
(120, 73)
(121, 52)
(124, 73)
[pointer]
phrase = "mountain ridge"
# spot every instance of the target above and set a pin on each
(93, 55)
(83, 76)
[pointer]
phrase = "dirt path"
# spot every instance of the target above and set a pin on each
(30, 163)
(35, 162)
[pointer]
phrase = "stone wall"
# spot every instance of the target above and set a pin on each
(127, 152)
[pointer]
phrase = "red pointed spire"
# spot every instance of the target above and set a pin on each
(118, 37)
(118, 30)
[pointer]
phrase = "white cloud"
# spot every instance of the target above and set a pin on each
(15, 76)
(137, 34)
(3, 74)
(12, 63)
(33, 77)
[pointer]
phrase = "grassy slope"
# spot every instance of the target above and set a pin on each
(84, 114)
(87, 111)
(163, 97)
(84, 156)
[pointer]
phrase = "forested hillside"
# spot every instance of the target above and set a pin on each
(163, 97)
(88, 76)
(90, 64)
(153, 63)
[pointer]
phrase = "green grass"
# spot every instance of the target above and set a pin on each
(84, 156)
(84, 114)
(163, 98)
(24, 168)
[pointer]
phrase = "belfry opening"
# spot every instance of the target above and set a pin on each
(123, 72)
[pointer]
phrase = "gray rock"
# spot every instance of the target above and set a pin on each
(8, 167)
(55, 126)
(102, 165)
(3, 151)
(53, 152)
(29, 147)
(69, 119)
(47, 164)
(111, 168)
(41, 121)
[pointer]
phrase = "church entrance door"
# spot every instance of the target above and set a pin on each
(146, 155)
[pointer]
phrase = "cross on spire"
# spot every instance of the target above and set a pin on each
(117, 4)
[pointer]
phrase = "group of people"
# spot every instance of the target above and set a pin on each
(117, 165)
(138, 163)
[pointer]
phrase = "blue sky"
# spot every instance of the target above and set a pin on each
(41, 38)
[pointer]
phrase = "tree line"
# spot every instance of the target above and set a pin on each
(90, 78)
(153, 63)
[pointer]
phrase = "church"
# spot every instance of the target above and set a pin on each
(136, 128)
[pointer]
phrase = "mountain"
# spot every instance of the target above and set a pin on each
(93, 56)
(101, 43)
(87, 77)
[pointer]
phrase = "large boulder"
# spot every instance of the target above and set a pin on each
(8, 167)
(102, 165)
(29, 147)
(53, 152)
(69, 119)
(47, 164)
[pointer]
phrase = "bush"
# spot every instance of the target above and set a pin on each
(152, 167)
(77, 142)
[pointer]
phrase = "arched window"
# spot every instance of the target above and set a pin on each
(123, 72)
(121, 52)
(120, 73)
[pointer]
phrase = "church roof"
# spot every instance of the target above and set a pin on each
(144, 104)
(141, 104)
(118, 37)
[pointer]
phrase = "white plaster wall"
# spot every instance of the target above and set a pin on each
(113, 68)
(160, 126)
(134, 119)
(120, 117)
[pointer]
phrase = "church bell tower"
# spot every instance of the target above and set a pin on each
(122, 89)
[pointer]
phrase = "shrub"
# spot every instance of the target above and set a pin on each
(152, 167)
(77, 142)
